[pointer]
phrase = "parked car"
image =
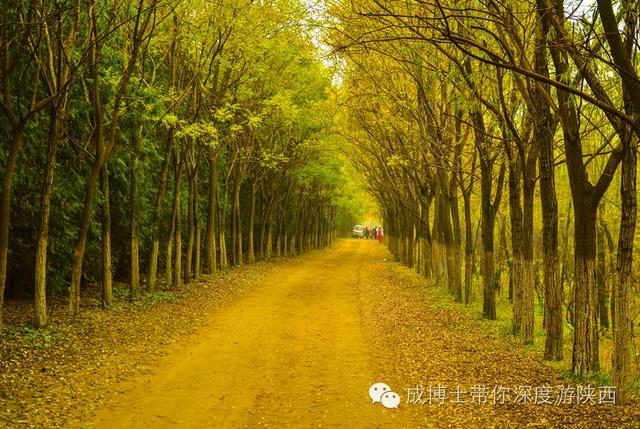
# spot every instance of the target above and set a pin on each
(358, 231)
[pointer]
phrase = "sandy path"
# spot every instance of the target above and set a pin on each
(301, 349)
(290, 354)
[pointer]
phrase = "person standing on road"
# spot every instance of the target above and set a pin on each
(380, 234)
(375, 232)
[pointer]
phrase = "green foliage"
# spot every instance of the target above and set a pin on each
(242, 83)
(30, 337)
(162, 296)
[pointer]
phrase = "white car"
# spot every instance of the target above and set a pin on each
(358, 231)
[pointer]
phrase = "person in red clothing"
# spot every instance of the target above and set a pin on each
(379, 236)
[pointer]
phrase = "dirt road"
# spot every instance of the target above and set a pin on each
(291, 352)
(302, 349)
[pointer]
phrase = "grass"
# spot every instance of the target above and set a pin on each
(29, 336)
(161, 296)
(121, 297)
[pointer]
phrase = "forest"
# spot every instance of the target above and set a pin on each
(159, 140)
(153, 143)
(500, 142)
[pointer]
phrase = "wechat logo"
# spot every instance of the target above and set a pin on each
(381, 392)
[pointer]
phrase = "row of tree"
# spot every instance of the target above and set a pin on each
(456, 106)
(197, 128)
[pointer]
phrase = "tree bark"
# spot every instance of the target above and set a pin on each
(107, 274)
(488, 227)
(5, 209)
(601, 272)
(134, 266)
(177, 235)
(197, 270)
(212, 207)
(157, 223)
(191, 234)
(515, 216)
(468, 249)
(527, 314)
(623, 320)
(585, 337)
(543, 134)
(456, 242)
(40, 290)
(223, 242)
(238, 257)
(251, 258)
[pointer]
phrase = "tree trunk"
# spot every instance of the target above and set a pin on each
(107, 274)
(196, 228)
(191, 235)
(168, 268)
(488, 228)
(269, 242)
(456, 269)
(515, 216)
(40, 292)
(285, 243)
(171, 236)
(623, 320)
(428, 255)
(611, 269)
(279, 235)
(468, 249)
(316, 231)
(177, 235)
(292, 245)
(553, 287)
(419, 243)
(585, 338)
(5, 210)
(251, 258)
(234, 226)
(543, 135)
(439, 240)
(223, 242)
(601, 272)
(238, 222)
(212, 206)
(157, 223)
(263, 233)
(134, 267)
(527, 303)
(410, 235)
